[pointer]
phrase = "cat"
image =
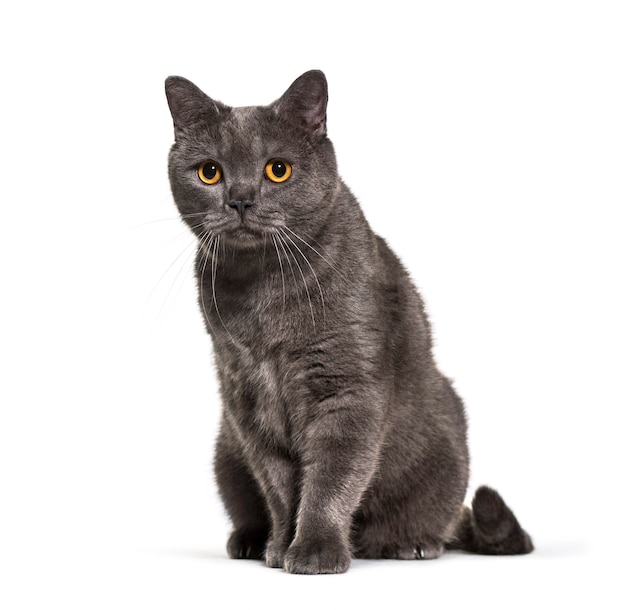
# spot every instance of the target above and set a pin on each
(339, 437)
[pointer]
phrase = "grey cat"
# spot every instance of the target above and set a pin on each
(339, 437)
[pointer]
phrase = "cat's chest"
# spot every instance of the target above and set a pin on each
(262, 310)
(254, 392)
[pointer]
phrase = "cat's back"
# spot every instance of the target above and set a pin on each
(402, 307)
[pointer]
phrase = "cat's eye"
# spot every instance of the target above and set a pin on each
(278, 170)
(210, 172)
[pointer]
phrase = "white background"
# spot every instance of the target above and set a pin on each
(485, 140)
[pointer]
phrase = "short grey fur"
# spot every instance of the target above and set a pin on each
(339, 436)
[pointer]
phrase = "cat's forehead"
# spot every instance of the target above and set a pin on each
(244, 115)
(246, 129)
(244, 118)
(246, 122)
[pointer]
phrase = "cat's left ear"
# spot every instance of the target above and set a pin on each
(304, 103)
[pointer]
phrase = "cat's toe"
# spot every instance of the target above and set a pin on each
(317, 558)
(275, 554)
(427, 550)
(245, 544)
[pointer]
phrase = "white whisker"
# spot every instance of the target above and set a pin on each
(295, 260)
(282, 247)
(187, 250)
(184, 233)
(214, 262)
(306, 243)
(205, 248)
(280, 262)
(317, 281)
(186, 267)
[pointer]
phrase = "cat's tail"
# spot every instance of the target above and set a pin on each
(489, 527)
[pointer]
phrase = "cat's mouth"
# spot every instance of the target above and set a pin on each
(245, 234)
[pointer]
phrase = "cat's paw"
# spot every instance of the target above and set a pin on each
(246, 544)
(421, 551)
(430, 550)
(317, 557)
(275, 554)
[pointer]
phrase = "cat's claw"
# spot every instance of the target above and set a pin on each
(429, 551)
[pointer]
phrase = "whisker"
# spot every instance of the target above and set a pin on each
(186, 267)
(317, 281)
(193, 214)
(213, 276)
(330, 264)
(157, 286)
(306, 288)
(185, 232)
(282, 246)
(280, 262)
(205, 247)
(214, 272)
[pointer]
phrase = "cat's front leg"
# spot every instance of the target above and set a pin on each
(242, 499)
(258, 490)
(277, 479)
(339, 459)
(261, 504)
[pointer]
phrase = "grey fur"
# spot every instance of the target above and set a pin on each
(339, 436)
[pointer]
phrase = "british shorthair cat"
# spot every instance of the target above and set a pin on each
(339, 436)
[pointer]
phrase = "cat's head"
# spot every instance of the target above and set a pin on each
(244, 173)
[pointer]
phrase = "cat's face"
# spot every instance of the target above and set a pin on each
(246, 173)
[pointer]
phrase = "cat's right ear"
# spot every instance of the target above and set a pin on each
(188, 104)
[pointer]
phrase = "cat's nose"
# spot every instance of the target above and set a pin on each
(240, 206)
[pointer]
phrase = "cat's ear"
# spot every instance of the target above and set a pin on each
(188, 104)
(304, 103)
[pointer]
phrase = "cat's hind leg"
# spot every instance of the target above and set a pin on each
(406, 547)
(407, 520)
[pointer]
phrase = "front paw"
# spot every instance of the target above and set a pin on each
(246, 544)
(317, 557)
(275, 554)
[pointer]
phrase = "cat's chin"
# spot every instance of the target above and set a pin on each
(244, 237)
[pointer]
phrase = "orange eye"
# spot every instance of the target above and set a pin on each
(210, 172)
(278, 170)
